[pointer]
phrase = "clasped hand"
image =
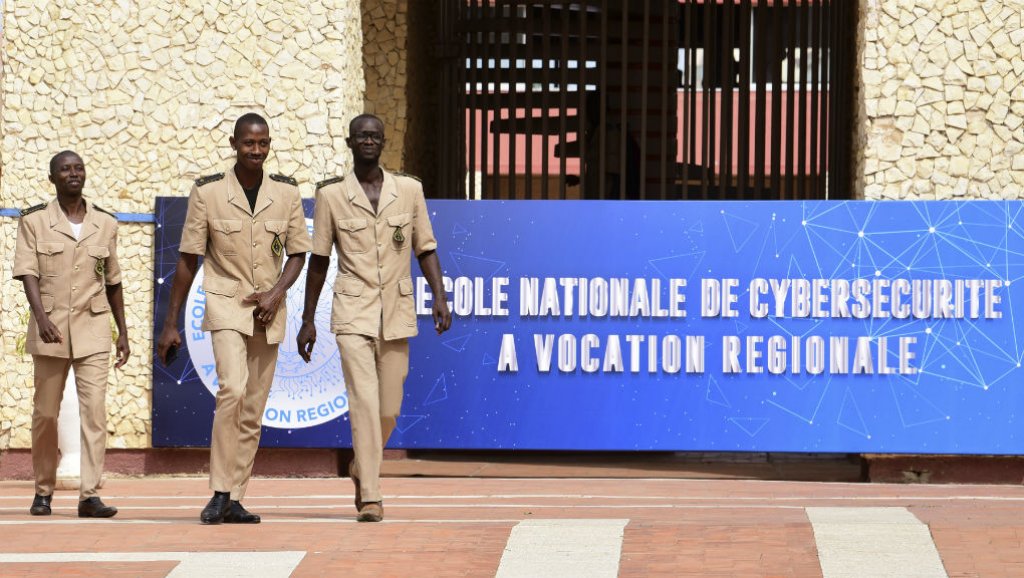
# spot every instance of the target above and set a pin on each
(267, 304)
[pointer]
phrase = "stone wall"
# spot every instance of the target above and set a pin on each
(943, 99)
(402, 81)
(386, 32)
(147, 93)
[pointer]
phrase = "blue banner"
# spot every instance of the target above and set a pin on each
(747, 326)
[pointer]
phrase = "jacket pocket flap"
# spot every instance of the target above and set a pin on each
(50, 248)
(277, 227)
(225, 287)
(98, 251)
(405, 286)
(349, 286)
(47, 302)
(399, 220)
(99, 304)
(227, 225)
(351, 224)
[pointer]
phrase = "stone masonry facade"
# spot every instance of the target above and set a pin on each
(147, 92)
(385, 30)
(942, 88)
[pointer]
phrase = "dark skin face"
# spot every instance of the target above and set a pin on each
(68, 175)
(366, 140)
(251, 145)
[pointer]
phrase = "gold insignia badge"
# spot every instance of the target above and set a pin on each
(398, 236)
(277, 246)
(100, 267)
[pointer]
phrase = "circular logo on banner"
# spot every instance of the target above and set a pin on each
(303, 394)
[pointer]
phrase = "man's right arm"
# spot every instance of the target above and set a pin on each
(26, 268)
(316, 273)
(48, 332)
(184, 274)
(194, 237)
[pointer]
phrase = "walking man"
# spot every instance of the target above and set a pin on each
(243, 222)
(376, 219)
(66, 258)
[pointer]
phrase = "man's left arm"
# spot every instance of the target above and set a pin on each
(115, 296)
(430, 265)
(425, 246)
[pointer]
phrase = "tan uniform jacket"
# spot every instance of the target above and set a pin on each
(72, 276)
(243, 249)
(374, 283)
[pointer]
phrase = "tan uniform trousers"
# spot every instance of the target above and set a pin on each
(375, 371)
(51, 373)
(245, 372)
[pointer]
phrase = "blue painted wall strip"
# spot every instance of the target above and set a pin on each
(136, 217)
(122, 217)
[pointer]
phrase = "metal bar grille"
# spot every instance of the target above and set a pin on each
(602, 134)
(513, 92)
(581, 103)
(743, 152)
(472, 13)
(648, 99)
(726, 90)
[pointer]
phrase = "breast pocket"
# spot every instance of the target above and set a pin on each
(226, 235)
(352, 233)
(98, 259)
(277, 235)
(400, 231)
(50, 256)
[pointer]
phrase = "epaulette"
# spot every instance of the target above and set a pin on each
(209, 179)
(31, 210)
(284, 179)
(413, 177)
(102, 210)
(329, 181)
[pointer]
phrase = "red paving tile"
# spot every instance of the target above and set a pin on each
(460, 526)
(977, 538)
(92, 570)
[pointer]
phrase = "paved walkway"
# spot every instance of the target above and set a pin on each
(528, 527)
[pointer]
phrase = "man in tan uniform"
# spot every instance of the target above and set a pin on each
(243, 222)
(376, 219)
(66, 257)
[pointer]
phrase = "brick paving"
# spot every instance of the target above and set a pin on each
(460, 526)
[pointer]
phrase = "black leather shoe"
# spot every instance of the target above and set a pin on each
(355, 480)
(94, 508)
(216, 508)
(40, 505)
(239, 515)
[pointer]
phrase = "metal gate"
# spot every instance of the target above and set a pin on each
(646, 99)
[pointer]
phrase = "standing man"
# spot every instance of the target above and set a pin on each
(243, 223)
(66, 257)
(376, 219)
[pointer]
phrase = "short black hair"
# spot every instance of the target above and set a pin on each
(362, 117)
(247, 119)
(60, 155)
